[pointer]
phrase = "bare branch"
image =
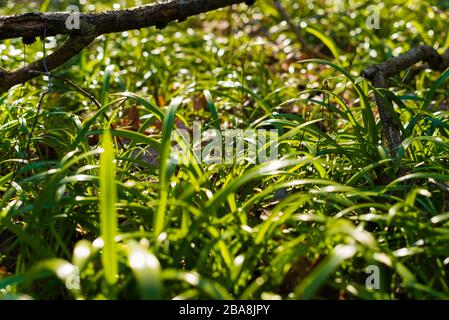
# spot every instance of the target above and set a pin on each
(32, 25)
(379, 74)
(71, 47)
(395, 65)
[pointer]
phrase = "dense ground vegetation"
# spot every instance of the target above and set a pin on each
(305, 226)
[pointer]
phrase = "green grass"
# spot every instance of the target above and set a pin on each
(108, 210)
(303, 227)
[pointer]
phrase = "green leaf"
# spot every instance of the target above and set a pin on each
(165, 164)
(145, 102)
(147, 271)
(108, 212)
(307, 288)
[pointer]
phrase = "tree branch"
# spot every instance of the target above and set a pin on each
(379, 74)
(71, 47)
(32, 25)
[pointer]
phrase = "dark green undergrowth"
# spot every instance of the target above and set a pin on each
(114, 210)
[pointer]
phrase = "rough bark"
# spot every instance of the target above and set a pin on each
(379, 74)
(71, 47)
(32, 25)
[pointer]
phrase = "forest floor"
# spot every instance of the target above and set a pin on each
(332, 216)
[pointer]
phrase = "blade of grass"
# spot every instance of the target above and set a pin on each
(167, 127)
(108, 214)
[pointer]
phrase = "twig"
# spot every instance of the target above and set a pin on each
(78, 88)
(85, 93)
(379, 74)
(71, 47)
